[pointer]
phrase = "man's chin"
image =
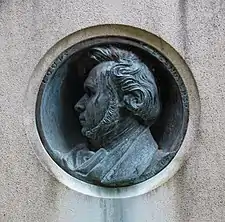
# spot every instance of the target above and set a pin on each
(86, 132)
(97, 133)
(91, 134)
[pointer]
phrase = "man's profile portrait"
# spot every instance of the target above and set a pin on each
(120, 103)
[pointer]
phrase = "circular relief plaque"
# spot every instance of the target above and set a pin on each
(111, 111)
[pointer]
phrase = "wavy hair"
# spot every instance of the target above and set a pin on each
(134, 82)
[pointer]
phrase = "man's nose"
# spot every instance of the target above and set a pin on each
(80, 106)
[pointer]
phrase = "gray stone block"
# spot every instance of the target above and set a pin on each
(29, 193)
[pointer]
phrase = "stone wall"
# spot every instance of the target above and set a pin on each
(194, 28)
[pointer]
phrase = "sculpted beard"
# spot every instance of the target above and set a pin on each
(107, 125)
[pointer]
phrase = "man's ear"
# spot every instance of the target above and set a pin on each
(135, 99)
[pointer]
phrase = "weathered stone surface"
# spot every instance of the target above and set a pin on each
(194, 28)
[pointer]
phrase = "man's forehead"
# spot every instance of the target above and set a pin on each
(94, 75)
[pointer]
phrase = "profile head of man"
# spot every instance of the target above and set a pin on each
(120, 92)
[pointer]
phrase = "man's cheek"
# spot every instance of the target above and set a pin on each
(97, 98)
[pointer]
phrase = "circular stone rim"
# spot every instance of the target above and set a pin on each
(111, 30)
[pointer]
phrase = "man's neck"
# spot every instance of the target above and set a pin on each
(126, 132)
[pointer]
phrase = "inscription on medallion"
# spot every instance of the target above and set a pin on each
(125, 124)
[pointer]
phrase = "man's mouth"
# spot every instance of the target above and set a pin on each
(81, 119)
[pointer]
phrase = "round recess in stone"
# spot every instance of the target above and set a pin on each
(152, 151)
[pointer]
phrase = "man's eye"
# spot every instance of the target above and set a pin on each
(89, 92)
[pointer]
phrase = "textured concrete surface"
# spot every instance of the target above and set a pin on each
(194, 28)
